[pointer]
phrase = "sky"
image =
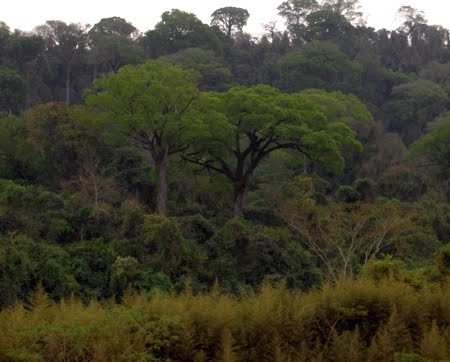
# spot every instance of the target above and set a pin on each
(144, 14)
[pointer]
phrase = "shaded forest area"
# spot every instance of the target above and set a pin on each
(200, 162)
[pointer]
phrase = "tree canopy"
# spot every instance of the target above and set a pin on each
(151, 105)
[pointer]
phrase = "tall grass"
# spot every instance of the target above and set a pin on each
(349, 321)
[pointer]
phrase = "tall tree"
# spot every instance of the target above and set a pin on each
(12, 91)
(327, 25)
(176, 31)
(350, 9)
(295, 12)
(151, 105)
(230, 19)
(412, 18)
(112, 45)
(59, 139)
(67, 42)
(114, 26)
(258, 121)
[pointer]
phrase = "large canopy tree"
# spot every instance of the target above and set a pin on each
(179, 30)
(114, 26)
(66, 42)
(112, 45)
(151, 105)
(295, 13)
(350, 9)
(251, 123)
(230, 19)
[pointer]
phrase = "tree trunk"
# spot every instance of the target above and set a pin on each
(68, 74)
(161, 185)
(239, 192)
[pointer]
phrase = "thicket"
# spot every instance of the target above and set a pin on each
(363, 320)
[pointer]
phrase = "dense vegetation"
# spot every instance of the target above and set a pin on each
(351, 321)
(193, 158)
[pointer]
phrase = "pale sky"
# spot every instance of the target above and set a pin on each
(144, 14)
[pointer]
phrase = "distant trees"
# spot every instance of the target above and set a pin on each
(179, 30)
(350, 9)
(113, 45)
(12, 91)
(318, 65)
(413, 106)
(67, 43)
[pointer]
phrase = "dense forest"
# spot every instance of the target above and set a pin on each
(195, 193)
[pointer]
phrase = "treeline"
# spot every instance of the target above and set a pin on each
(193, 153)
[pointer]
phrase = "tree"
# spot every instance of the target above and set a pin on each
(59, 139)
(230, 19)
(151, 105)
(318, 65)
(345, 235)
(412, 19)
(254, 122)
(114, 26)
(434, 148)
(215, 76)
(179, 30)
(295, 13)
(413, 105)
(112, 45)
(67, 42)
(438, 73)
(350, 9)
(22, 49)
(110, 52)
(327, 25)
(12, 91)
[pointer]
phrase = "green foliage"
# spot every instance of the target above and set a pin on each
(348, 194)
(179, 30)
(318, 65)
(402, 183)
(241, 252)
(91, 264)
(443, 259)
(413, 106)
(433, 148)
(230, 19)
(215, 76)
(339, 248)
(328, 25)
(12, 91)
(386, 268)
(151, 105)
